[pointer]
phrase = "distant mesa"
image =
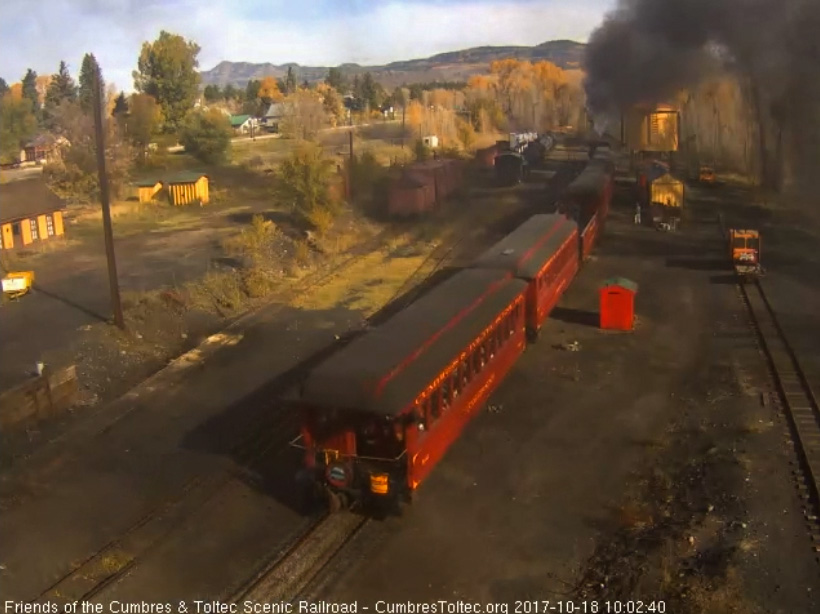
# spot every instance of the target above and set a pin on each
(450, 66)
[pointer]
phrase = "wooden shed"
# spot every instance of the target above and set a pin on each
(187, 188)
(30, 213)
(147, 189)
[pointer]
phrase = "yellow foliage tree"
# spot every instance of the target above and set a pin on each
(332, 102)
(269, 91)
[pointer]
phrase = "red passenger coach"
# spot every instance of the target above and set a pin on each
(543, 252)
(587, 201)
(379, 414)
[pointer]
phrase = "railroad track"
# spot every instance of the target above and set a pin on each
(254, 447)
(795, 398)
(120, 556)
(300, 563)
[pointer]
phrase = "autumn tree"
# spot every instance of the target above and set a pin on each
(144, 122)
(88, 69)
(268, 91)
(332, 103)
(304, 115)
(206, 135)
(304, 183)
(75, 177)
(167, 71)
(17, 125)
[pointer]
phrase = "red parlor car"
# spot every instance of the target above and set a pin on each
(379, 415)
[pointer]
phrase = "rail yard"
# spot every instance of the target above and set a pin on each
(548, 461)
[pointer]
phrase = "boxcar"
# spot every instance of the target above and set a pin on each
(379, 415)
(543, 252)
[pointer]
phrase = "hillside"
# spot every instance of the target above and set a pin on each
(450, 66)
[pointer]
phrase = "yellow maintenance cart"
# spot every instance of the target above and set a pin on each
(17, 283)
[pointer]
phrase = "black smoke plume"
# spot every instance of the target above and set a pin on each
(648, 50)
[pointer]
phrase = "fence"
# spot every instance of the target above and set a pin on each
(40, 397)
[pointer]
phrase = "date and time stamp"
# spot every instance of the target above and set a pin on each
(531, 606)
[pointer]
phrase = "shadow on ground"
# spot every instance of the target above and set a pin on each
(576, 316)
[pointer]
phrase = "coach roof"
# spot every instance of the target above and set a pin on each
(525, 252)
(386, 369)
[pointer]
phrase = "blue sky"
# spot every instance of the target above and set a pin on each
(38, 34)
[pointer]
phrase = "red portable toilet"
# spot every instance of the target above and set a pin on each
(617, 297)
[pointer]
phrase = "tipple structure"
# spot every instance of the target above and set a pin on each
(378, 415)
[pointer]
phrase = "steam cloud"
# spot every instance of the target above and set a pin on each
(647, 50)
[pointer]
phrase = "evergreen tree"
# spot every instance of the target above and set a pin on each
(212, 93)
(290, 81)
(89, 70)
(61, 89)
(230, 92)
(4, 87)
(120, 106)
(30, 90)
(336, 80)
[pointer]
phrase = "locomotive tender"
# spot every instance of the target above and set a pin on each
(378, 415)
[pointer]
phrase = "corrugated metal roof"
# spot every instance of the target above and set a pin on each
(386, 369)
(238, 120)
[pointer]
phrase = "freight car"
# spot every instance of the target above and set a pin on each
(543, 252)
(382, 412)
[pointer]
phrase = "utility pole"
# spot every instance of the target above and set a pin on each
(349, 181)
(403, 109)
(350, 136)
(116, 305)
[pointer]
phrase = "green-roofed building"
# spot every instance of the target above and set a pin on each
(242, 123)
